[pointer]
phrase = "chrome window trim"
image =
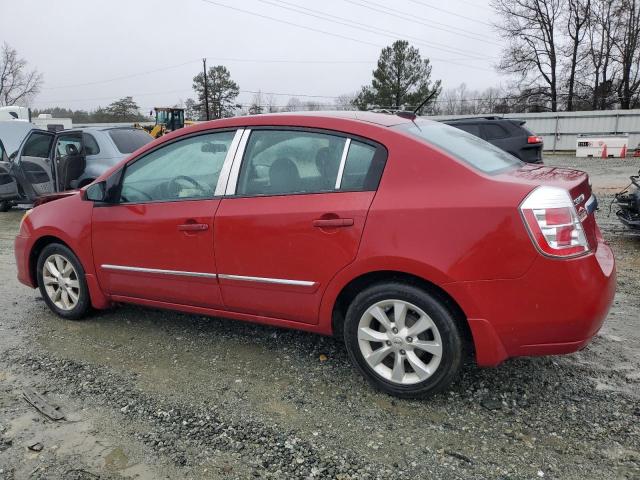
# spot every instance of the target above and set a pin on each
(223, 178)
(158, 271)
(343, 160)
(232, 184)
(278, 281)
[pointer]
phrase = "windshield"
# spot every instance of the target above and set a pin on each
(470, 149)
(128, 140)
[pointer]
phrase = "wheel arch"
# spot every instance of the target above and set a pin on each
(365, 280)
(38, 246)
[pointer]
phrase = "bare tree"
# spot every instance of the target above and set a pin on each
(17, 84)
(257, 104)
(577, 18)
(270, 104)
(345, 101)
(294, 105)
(531, 29)
(628, 53)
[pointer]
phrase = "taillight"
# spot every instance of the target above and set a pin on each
(534, 139)
(552, 221)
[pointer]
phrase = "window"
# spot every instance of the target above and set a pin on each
(185, 169)
(68, 145)
(90, 145)
(472, 128)
(466, 147)
(128, 140)
(38, 145)
(278, 162)
(360, 172)
(492, 131)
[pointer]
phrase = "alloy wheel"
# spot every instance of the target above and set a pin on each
(61, 282)
(400, 342)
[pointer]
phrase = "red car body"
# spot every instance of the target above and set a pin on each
(432, 218)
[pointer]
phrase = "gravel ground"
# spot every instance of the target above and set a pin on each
(151, 394)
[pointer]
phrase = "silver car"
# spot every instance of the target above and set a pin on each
(37, 162)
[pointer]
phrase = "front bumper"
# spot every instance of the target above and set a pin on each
(22, 247)
(555, 308)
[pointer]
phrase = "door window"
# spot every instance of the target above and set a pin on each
(494, 131)
(38, 145)
(90, 145)
(472, 128)
(185, 169)
(278, 162)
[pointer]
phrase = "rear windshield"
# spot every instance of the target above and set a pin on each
(128, 140)
(462, 145)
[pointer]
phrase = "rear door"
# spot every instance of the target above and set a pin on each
(33, 168)
(293, 214)
(69, 159)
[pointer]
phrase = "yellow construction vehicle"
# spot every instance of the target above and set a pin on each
(168, 119)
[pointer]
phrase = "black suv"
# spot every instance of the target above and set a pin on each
(508, 134)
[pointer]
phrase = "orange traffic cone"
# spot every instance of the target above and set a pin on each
(604, 151)
(623, 152)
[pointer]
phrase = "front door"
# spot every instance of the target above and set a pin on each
(32, 167)
(292, 218)
(157, 243)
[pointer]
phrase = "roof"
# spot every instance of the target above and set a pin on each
(383, 119)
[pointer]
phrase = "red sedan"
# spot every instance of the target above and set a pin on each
(417, 242)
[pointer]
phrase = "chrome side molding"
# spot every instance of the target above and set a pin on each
(279, 281)
(158, 271)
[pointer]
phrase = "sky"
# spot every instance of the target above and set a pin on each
(92, 52)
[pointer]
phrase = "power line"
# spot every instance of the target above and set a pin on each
(450, 12)
(427, 22)
(279, 20)
(364, 27)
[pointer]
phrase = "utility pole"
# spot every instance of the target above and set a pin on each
(206, 90)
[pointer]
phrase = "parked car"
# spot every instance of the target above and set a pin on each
(414, 241)
(42, 162)
(506, 133)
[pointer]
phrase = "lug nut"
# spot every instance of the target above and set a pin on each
(388, 343)
(409, 339)
(394, 330)
(402, 352)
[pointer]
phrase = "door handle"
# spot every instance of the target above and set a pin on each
(193, 227)
(333, 222)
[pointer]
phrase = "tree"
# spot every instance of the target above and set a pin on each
(530, 28)
(221, 91)
(17, 84)
(345, 101)
(123, 110)
(294, 105)
(257, 105)
(191, 110)
(402, 79)
(628, 53)
(577, 18)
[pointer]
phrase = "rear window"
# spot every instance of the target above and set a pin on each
(128, 140)
(468, 148)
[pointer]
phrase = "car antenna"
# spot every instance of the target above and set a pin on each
(424, 102)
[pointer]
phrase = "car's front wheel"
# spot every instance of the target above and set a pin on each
(62, 282)
(404, 340)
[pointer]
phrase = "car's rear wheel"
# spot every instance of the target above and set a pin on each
(404, 340)
(62, 283)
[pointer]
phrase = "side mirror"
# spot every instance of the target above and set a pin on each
(13, 155)
(96, 192)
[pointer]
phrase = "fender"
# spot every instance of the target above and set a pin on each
(370, 265)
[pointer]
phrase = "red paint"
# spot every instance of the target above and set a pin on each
(432, 217)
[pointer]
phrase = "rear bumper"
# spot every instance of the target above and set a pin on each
(555, 308)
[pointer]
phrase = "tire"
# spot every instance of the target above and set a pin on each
(67, 295)
(5, 205)
(395, 373)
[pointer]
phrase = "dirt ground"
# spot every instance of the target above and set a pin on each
(152, 394)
